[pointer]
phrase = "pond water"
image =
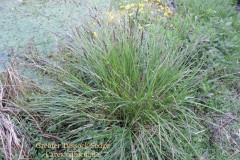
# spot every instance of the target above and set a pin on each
(37, 21)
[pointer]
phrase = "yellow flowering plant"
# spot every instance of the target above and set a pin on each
(146, 11)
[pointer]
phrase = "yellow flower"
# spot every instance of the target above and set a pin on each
(158, 1)
(166, 14)
(140, 27)
(128, 6)
(132, 5)
(95, 34)
(161, 7)
(169, 11)
(140, 4)
(171, 25)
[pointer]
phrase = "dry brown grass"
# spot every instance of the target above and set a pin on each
(13, 143)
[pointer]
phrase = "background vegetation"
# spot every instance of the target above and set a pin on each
(152, 80)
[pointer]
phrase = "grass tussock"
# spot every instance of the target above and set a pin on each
(126, 87)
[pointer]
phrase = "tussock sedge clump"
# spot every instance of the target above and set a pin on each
(130, 88)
